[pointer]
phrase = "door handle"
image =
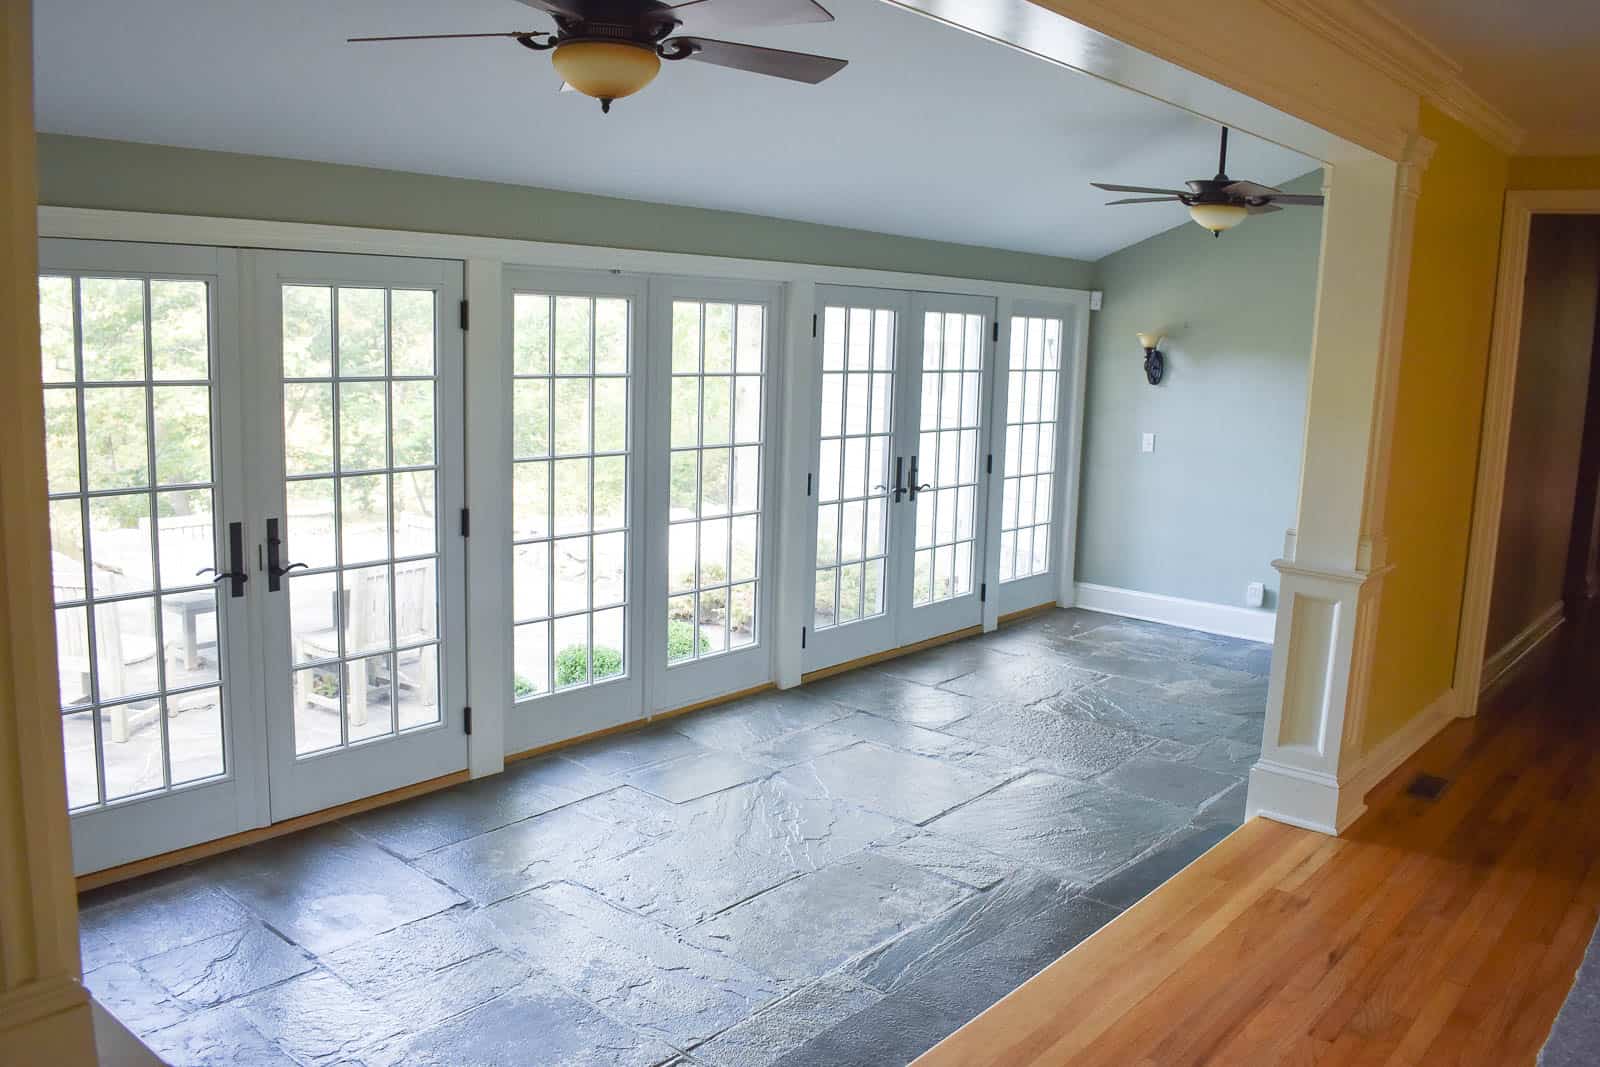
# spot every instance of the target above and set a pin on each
(916, 488)
(276, 569)
(235, 573)
(899, 484)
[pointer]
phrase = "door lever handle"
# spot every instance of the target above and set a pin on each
(899, 479)
(915, 486)
(235, 574)
(276, 569)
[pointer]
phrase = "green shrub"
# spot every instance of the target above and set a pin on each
(680, 640)
(571, 661)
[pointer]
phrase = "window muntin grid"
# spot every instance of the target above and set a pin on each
(714, 498)
(947, 455)
(857, 426)
(571, 434)
(128, 373)
(1025, 519)
(360, 427)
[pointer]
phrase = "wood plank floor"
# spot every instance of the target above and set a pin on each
(1434, 932)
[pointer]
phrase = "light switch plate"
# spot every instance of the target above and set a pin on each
(1255, 594)
(1147, 442)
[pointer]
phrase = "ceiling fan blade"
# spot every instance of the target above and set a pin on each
(1144, 200)
(796, 66)
(723, 15)
(567, 9)
(1134, 189)
(445, 36)
(1297, 198)
(1253, 190)
(1262, 209)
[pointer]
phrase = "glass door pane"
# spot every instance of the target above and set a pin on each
(573, 624)
(712, 425)
(1034, 384)
(359, 560)
(146, 669)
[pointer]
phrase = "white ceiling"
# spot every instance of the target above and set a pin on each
(930, 132)
(1539, 61)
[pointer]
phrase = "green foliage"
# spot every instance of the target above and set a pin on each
(680, 639)
(571, 664)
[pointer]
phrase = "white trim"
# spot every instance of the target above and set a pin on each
(1392, 751)
(1251, 624)
(39, 999)
(157, 228)
(1495, 441)
(1499, 668)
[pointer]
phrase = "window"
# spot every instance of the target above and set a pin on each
(714, 505)
(853, 472)
(947, 455)
(1025, 520)
(128, 381)
(570, 521)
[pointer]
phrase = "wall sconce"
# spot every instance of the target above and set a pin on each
(1155, 364)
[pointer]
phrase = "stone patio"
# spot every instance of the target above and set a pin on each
(841, 874)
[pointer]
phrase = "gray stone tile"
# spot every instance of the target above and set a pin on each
(806, 927)
(1034, 681)
(895, 698)
(632, 968)
(1226, 810)
(631, 809)
(768, 1036)
(1062, 744)
(1026, 901)
(139, 1004)
(141, 923)
(1146, 640)
(748, 724)
(1201, 689)
(1133, 883)
(779, 819)
(1223, 755)
(683, 878)
(695, 776)
(328, 887)
(1078, 830)
(220, 1037)
(225, 966)
(453, 990)
(525, 854)
(1250, 657)
(890, 1032)
(1141, 708)
(318, 1019)
(535, 1023)
(947, 661)
(627, 751)
(893, 733)
(948, 858)
(899, 784)
(424, 823)
(382, 964)
(1179, 784)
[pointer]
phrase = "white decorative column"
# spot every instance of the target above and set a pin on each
(1334, 560)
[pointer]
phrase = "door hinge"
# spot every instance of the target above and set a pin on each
(466, 719)
(997, 331)
(808, 483)
(802, 637)
(988, 463)
(466, 522)
(463, 314)
(983, 593)
(813, 324)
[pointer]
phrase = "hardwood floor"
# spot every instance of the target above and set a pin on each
(1436, 931)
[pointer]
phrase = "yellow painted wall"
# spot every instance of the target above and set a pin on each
(1437, 420)
(1555, 172)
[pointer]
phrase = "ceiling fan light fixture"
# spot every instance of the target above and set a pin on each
(1218, 217)
(606, 70)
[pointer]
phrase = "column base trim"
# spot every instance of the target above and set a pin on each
(32, 1001)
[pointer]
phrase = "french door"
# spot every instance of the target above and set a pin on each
(147, 521)
(252, 461)
(899, 491)
(358, 474)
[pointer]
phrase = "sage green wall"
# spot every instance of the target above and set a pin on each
(1205, 512)
(125, 176)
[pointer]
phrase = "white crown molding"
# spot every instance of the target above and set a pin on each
(1375, 36)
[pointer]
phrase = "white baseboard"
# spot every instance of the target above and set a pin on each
(1382, 759)
(1252, 624)
(1500, 667)
(1314, 801)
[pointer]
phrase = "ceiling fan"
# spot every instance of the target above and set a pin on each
(1218, 203)
(609, 49)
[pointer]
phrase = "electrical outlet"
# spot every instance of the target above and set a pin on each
(1147, 442)
(1255, 594)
